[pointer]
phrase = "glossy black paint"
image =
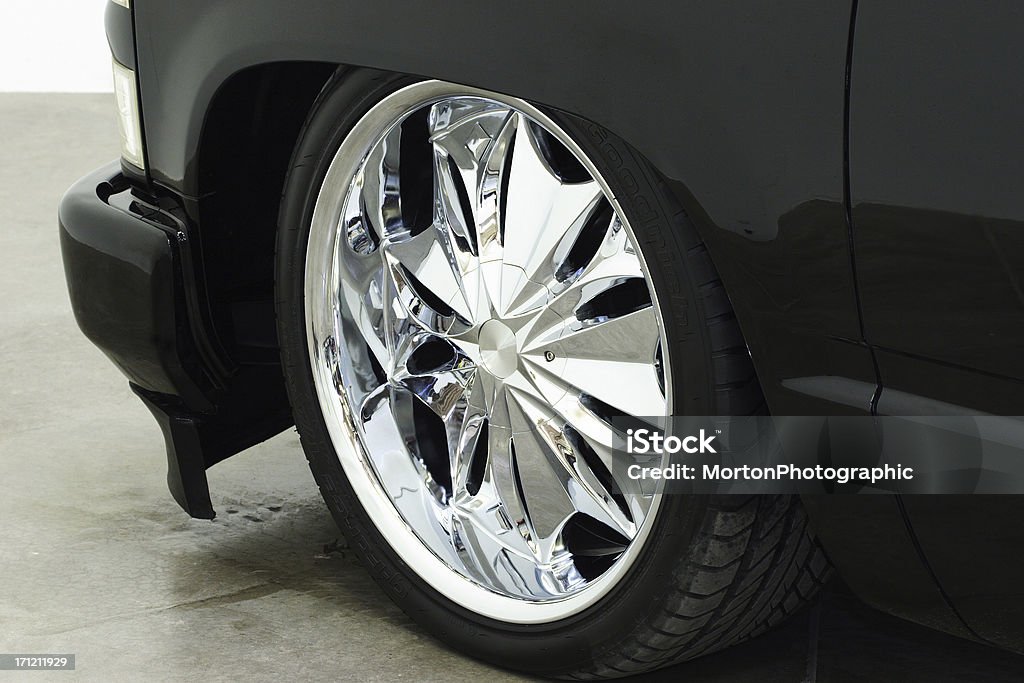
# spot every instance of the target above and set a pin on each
(120, 34)
(124, 279)
(854, 168)
(936, 168)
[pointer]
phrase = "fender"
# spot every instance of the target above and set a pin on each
(739, 107)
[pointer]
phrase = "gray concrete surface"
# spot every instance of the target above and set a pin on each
(96, 559)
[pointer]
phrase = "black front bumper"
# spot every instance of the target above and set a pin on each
(123, 274)
(134, 293)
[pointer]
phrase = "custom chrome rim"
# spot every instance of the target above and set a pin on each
(477, 311)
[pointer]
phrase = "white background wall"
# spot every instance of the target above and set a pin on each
(53, 46)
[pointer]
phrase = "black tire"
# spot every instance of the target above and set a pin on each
(718, 570)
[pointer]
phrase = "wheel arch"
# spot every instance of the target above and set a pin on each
(249, 131)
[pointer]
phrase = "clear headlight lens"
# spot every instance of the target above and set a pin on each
(123, 3)
(128, 115)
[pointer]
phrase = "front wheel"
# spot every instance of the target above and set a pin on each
(469, 287)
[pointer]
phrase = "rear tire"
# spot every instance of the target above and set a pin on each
(715, 570)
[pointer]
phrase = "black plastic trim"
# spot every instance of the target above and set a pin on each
(135, 295)
(124, 280)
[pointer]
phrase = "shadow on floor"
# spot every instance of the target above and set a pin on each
(837, 640)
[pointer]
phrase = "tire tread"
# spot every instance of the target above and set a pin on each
(762, 544)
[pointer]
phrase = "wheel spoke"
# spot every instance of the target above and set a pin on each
(383, 418)
(439, 391)
(613, 361)
(602, 477)
(471, 146)
(579, 448)
(614, 263)
(469, 139)
(494, 172)
(502, 476)
(441, 380)
(543, 475)
(465, 428)
(379, 181)
(361, 308)
(464, 129)
(456, 210)
(543, 213)
(429, 284)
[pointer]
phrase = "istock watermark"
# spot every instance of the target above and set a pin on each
(725, 473)
(819, 454)
(644, 441)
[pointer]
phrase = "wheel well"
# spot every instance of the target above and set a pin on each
(250, 131)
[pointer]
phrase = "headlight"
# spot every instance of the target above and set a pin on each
(123, 3)
(128, 115)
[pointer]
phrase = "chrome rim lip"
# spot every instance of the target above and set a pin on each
(333, 400)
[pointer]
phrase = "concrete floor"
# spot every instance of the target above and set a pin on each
(97, 560)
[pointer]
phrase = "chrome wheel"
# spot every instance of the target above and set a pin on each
(476, 312)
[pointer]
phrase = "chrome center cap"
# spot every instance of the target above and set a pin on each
(499, 354)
